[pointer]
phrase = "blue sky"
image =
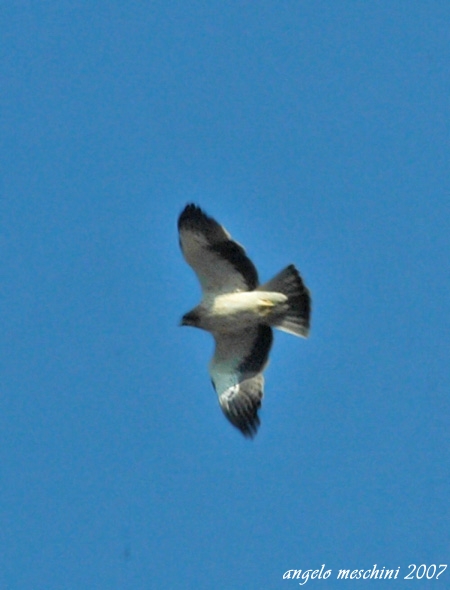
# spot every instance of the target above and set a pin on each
(318, 134)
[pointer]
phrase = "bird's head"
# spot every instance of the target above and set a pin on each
(191, 318)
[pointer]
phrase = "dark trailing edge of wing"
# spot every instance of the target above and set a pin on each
(257, 359)
(194, 219)
(235, 255)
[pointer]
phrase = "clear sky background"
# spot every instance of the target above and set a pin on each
(318, 133)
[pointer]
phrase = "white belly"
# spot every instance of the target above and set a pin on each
(232, 312)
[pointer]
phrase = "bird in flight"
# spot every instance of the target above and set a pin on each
(239, 313)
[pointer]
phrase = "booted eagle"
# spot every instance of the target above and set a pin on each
(239, 313)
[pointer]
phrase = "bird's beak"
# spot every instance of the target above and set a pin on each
(189, 319)
(185, 321)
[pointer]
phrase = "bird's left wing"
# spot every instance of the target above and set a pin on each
(236, 373)
(220, 263)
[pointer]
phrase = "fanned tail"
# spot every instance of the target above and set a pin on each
(297, 318)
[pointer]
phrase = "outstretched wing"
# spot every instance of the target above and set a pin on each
(236, 373)
(219, 262)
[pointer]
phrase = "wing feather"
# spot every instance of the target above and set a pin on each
(236, 373)
(219, 262)
(240, 404)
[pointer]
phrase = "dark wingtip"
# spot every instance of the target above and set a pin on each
(191, 215)
(247, 424)
(241, 403)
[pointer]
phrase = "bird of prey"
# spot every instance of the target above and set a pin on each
(239, 313)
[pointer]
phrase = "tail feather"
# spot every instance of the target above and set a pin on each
(297, 318)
